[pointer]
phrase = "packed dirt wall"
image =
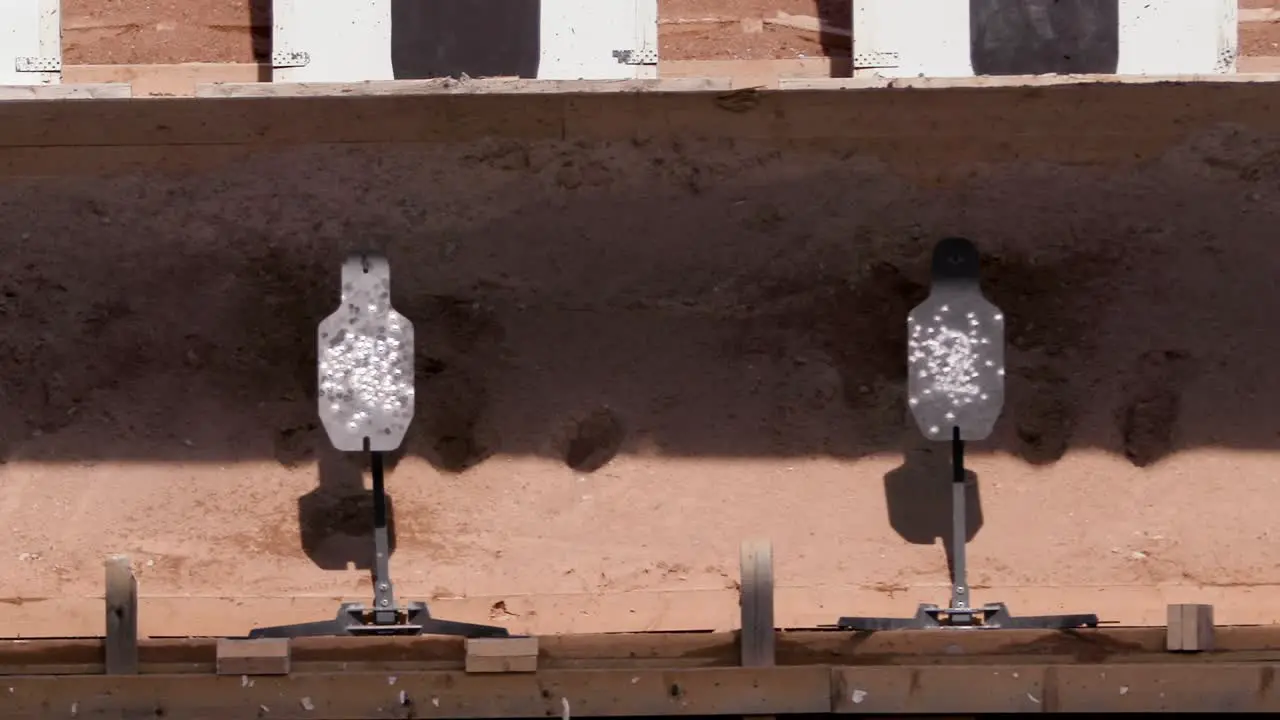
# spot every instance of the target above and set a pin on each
(649, 326)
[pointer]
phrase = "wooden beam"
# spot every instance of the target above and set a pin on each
(1038, 81)
(341, 696)
(449, 86)
(1030, 688)
(757, 635)
(1259, 65)
(1259, 15)
(919, 689)
(993, 119)
(667, 650)
(1190, 628)
(166, 80)
(122, 617)
(758, 73)
(66, 91)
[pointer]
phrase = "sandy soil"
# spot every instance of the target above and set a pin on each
(609, 418)
(631, 357)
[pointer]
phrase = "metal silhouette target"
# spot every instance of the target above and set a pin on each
(955, 350)
(366, 362)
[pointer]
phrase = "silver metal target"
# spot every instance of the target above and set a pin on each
(955, 350)
(366, 362)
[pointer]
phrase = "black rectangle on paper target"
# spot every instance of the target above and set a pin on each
(481, 38)
(1037, 37)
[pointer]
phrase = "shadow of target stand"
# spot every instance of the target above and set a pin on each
(366, 402)
(956, 377)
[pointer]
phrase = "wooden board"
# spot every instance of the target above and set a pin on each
(757, 634)
(66, 92)
(122, 617)
(1190, 628)
(341, 696)
(1032, 689)
(871, 118)
(648, 692)
(485, 86)
(670, 650)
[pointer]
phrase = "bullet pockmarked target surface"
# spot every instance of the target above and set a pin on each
(955, 350)
(366, 362)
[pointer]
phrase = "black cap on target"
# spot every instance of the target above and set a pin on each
(955, 350)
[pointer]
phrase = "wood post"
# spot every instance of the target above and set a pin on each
(122, 617)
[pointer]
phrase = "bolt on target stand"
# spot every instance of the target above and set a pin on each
(366, 400)
(955, 359)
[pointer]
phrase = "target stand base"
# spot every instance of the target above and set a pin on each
(992, 616)
(359, 620)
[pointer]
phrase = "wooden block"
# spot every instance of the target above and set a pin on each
(122, 617)
(502, 655)
(757, 638)
(266, 656)
(1190, 628)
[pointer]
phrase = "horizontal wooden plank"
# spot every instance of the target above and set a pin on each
(920, 689)
(185, 79)
(449, 86)
(1259, 15)
(251, 80)
(758, 73)
(166, 80)
(343, 696)
(996, 122)
(1039, 81)
(1258, 65)
(67, 91)
(668, 650)
(1083, 688)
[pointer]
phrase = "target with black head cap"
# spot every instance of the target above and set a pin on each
(955, 350)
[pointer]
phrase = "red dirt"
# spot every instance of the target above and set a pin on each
(722, 318)
(1260, 39)
(1133, 538)
(159, 32)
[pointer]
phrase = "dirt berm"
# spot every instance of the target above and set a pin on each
(649, 326)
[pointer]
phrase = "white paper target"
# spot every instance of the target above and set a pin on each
(366, 362)
(955, 350)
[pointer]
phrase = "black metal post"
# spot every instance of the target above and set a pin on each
(959, 524)
(384, 599)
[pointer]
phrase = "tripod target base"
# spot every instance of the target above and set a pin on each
(359, 620)
(992, 616)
